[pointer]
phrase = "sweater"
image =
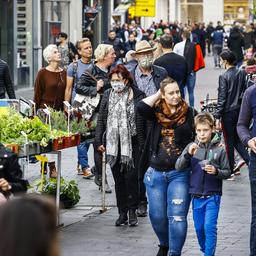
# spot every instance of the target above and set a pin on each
(247, 113)
(50, 89)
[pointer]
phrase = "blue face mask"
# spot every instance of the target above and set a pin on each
(117, 86)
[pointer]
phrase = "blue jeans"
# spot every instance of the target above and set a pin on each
(82, 154)
(252, 175)
(190, 84)
(205, 215)
(168, 201)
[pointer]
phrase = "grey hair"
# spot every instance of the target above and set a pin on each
(101, 51)
(48, 51)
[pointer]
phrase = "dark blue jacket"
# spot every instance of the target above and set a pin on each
(217, 37)
(202, 183)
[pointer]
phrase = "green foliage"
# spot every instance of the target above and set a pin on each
(12, 124)
(68, 189)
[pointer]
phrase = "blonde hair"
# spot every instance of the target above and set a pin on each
(101, 51)
(204, 118)
(48, 51)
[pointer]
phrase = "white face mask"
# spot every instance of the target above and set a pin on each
(118, 86)
(145, 62)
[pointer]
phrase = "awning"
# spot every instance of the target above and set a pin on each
(121, 9)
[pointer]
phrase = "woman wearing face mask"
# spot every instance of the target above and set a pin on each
(124, 132)
(232, 85)
(167, 188)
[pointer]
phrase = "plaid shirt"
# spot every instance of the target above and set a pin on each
(145, 82)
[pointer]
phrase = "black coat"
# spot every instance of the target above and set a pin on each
(232, 85)
(103, 117)
(87, 85)
(235, 44)
(10, 170)
(6, 84)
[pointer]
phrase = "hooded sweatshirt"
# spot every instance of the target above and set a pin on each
(202, 183)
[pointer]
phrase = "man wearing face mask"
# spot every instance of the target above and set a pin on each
(147, 78)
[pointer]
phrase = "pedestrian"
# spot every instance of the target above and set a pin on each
(50, 85)
(28, 227)
(167, 189)
(74, 72)
(217, 44)
(125, 136)
(187, 49)
(67, 50)
(147, 78)
(232, 85)
(95, 81)
(6, 84)
(209, 30)
(206, 157)
(130, 61)
(11, 181)
(246, 129)
(175, 65)
(236, 44)
(117, 45)
(130, 44)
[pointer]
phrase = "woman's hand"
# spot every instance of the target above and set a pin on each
(192, 149)
(210, 169)
(100, 84)
(4, 185)
(101, 148)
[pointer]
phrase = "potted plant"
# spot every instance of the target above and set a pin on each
(69, 191)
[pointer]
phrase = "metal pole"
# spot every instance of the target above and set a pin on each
(58, 187)
(37, 48)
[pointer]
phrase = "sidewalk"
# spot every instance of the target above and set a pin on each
(97, 235)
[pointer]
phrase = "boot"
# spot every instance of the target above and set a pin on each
(133, 220)
(52, 170)
(122, 219)
(45, 168)
(163, 250)
(87, 173)
(142, 209)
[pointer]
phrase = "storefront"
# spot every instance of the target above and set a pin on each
(226, 11)
(236, 11)
(26, 27)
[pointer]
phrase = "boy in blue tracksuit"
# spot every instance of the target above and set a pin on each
(209, 165)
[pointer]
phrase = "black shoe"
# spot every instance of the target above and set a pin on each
(133, 220)
(142, 210)
(163, 250)
(122, 219)
(97, 179)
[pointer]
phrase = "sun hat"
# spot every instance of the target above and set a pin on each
(143, 46)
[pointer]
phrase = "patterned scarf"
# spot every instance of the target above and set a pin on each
(167, 119)
(118, 129)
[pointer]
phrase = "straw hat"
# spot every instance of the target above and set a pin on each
(143, 46)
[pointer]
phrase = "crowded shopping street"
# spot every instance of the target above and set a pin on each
(128, 127)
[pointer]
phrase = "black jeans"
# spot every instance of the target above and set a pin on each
(252, 175)
(97, 161)
(126, 182)
(229, 122)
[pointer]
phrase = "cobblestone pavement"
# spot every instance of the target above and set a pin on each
(86, 232)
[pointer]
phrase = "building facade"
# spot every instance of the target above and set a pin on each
(26, 27)
(189, 11)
